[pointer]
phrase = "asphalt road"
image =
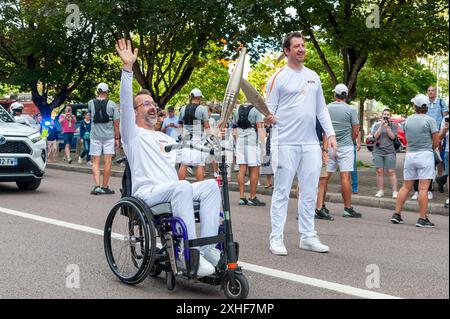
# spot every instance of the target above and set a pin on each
(35, 254)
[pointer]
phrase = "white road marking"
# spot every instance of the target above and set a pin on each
(348, 290)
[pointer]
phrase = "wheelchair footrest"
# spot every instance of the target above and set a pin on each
(194, 261)
(207, 241)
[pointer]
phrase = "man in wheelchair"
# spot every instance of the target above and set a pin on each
(153, 174)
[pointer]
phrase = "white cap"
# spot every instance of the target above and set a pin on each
(102, 87)
(341, 88)
(16, 106)
(196, 93)
(420, 99)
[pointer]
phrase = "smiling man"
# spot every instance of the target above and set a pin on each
(153, 174)
(295, 98)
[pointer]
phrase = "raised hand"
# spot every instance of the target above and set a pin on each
(125, 51)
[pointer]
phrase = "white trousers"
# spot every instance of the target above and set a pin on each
(181, 195)
(306, 162)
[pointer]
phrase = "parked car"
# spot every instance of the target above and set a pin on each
(77, 110)
(23, 153)
(400, 122)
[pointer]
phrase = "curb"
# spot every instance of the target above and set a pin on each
(383, 203)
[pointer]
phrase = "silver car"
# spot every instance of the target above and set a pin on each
(23, 153)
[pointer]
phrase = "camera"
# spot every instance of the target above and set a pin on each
(446, 119)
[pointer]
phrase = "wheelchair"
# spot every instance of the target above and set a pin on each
(142, 241)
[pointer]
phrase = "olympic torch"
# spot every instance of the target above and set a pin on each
(233, 88)
(254, 97)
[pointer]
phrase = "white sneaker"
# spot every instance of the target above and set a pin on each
(277, 246)
(89, 163)
(204, 267)
(80, 160)
(313, 244)
(415, 196)
(394, 195)
(430, 195)
(380, 193)
(211, 254)
(247, 183)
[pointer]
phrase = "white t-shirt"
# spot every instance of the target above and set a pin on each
(296, 99)
(150, 165)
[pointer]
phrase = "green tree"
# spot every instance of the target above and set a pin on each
(172, 37)
(406, 29)
(44, 53)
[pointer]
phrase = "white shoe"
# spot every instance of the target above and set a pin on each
(204, 267)
(236, 168)
(313, 244)
(394, 195)
(380, 193)
(89, 163)
(247, 183)
(277, 246)
(430, 195)
(80, 160)
(415, 196)
(211, 254)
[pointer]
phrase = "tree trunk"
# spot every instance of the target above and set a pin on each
(42, 105)
(361, 118)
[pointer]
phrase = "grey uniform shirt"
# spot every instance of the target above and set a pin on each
(418, 130)
(197, 130)
(343, 117)
(104, 131)
(384, 144)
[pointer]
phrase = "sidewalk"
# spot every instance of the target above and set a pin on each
(365, 197)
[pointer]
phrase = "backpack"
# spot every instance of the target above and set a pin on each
(243, 121)
(101, 114)
(189, 114)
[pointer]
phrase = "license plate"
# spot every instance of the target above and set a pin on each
(8, 161)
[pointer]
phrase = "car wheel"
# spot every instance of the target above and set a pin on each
(29, 186)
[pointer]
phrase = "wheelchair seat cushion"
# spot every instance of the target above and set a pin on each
(166, 208)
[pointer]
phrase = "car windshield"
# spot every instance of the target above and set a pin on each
(5, 116)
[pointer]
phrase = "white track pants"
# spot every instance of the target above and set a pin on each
(306, 162)
(181, 195)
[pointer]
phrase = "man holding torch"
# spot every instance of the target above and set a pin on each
(295, 98)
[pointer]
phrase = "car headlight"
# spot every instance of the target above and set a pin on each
(35, 137)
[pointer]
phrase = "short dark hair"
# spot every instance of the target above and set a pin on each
(288, 38)
(387, 110)
(342, 96)
(421, 109)
(141, 92)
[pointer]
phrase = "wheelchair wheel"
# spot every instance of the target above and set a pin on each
(129, 241)
(237, 290)
(170, 280)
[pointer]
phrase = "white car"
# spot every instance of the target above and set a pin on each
(23, 153)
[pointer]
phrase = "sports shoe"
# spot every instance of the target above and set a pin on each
(80, 160)
(255, 202)
(204, 267)
(446, 203)
(248, 183)
(277, 246)
(430, 195)
(396, 219)
(322, 214)
(69, 160)
(97, 191)
(394, 195)
(89, 163)
(313, 244)
(211, 254)
(326, 210)
(243, 201)
(424, 223)
(350, 212)
(415, 196)
(108, 191)
(380, 193)
(190, 171)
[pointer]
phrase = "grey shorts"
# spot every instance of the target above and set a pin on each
(385, 161)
